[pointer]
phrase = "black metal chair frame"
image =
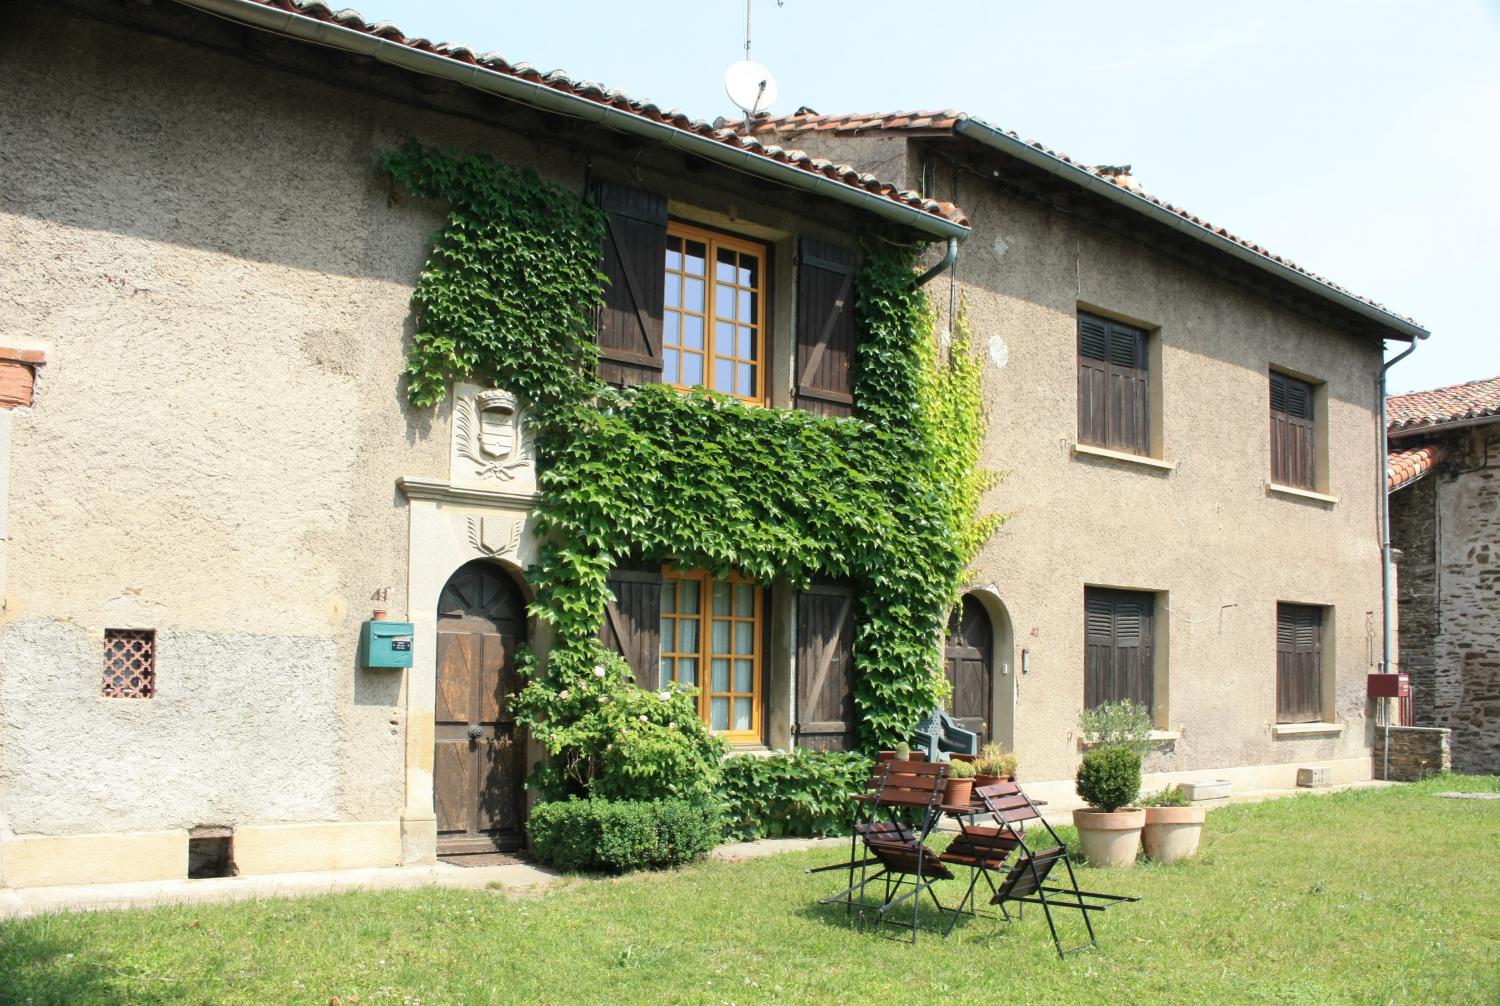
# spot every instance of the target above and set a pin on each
(903, 840)
(1025, 883)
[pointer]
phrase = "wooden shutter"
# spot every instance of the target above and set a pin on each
(635, 254)
(825, 665)
(1293, 458)
(1114, 387)
(1299, 663)
(1118, 662)
(632, 622)
(825, 328)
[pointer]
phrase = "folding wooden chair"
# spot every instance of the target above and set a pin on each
(1026, 881)
(984, 851)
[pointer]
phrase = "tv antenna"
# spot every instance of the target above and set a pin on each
(748, 84)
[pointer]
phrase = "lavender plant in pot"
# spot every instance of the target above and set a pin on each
(994, 764)
(1109, 829)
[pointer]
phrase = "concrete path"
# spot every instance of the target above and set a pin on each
(515, 880)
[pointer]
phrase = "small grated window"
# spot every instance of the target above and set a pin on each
(129, 664)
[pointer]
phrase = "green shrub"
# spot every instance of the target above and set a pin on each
(958, 769)
(1117, 725)
(801, 794)
(1109, 778)
(1172, 796)
(618, 835)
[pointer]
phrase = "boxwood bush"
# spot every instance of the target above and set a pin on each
(614, 836)
(1109, 778)
(800, 794)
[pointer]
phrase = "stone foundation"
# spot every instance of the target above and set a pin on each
(1416, 752)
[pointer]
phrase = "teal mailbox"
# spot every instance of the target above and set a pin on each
(385, 644)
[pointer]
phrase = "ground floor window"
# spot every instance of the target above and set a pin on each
(1119, 662)
(711, 632)
(1299, 663)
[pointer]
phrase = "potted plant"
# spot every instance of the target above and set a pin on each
(1173, 825)
(1109, 828)
(993, 765)
(960, 784)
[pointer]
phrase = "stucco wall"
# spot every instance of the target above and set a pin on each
(203, 240)
(1221, 547)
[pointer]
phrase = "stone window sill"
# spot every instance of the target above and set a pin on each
(1089, 450)
(1307, 729)
(1157, 737)
(1306, 494)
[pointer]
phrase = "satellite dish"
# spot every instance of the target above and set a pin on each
(750, 86)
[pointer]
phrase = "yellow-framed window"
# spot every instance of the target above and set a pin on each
(711, 633)
(713, 327)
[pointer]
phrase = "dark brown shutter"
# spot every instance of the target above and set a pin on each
(634, 260)
(1293, 457)
(1299, 663)
(825, 328)
(1114, 386)
(825, 665)
(632, 622)
(1118, 647)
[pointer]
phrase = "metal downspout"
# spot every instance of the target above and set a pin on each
(1387, 601)
(949, 257)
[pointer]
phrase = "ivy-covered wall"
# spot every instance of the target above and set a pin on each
(887, 498)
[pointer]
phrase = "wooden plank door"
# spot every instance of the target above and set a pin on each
(969, 659)
(479, 753)
(825, 665)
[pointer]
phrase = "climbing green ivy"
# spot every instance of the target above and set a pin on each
(887, 498)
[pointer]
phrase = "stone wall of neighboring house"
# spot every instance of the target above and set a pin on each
(202, 237)
(1447, 526)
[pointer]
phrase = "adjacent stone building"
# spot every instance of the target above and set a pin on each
(1444, 476)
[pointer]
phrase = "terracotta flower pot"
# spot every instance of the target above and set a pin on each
(1171, 833)
(958, 792)
(991, 780)
(1110, 838)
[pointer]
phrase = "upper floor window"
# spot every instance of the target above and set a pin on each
(712, 322)
(711, 633)
(1294, 437)
(1114, 387)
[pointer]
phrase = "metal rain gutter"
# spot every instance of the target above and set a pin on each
(989, 136)
(552, 100)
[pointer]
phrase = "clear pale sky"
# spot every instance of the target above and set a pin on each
(1359, 138)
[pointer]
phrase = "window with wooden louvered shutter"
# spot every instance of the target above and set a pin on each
(825, 664)
(630, 321)
(1299, 663)
(1118, 658)
(825, 328)
(1293, 435)
(1114, 387)
(632, 621)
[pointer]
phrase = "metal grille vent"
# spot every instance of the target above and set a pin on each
(129, 663)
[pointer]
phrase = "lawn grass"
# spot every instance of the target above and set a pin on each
(1372, 896)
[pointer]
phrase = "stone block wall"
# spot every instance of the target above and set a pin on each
(1416, 752)
(1448, 529)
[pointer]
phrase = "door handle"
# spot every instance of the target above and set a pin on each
(475, 733)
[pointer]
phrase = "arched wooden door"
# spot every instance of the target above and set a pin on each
(969, 655)
(479, 753)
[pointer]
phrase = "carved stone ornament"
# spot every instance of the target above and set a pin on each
(490, 444)
(495, 536)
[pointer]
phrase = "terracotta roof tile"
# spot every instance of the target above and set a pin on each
(1405, 466)
(594, 91)
(945, 121)
(1453, 404)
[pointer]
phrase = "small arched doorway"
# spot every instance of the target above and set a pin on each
(969, 656)
(479, 761)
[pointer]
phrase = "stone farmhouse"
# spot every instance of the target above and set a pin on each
(1445, 520)
(214, 475)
